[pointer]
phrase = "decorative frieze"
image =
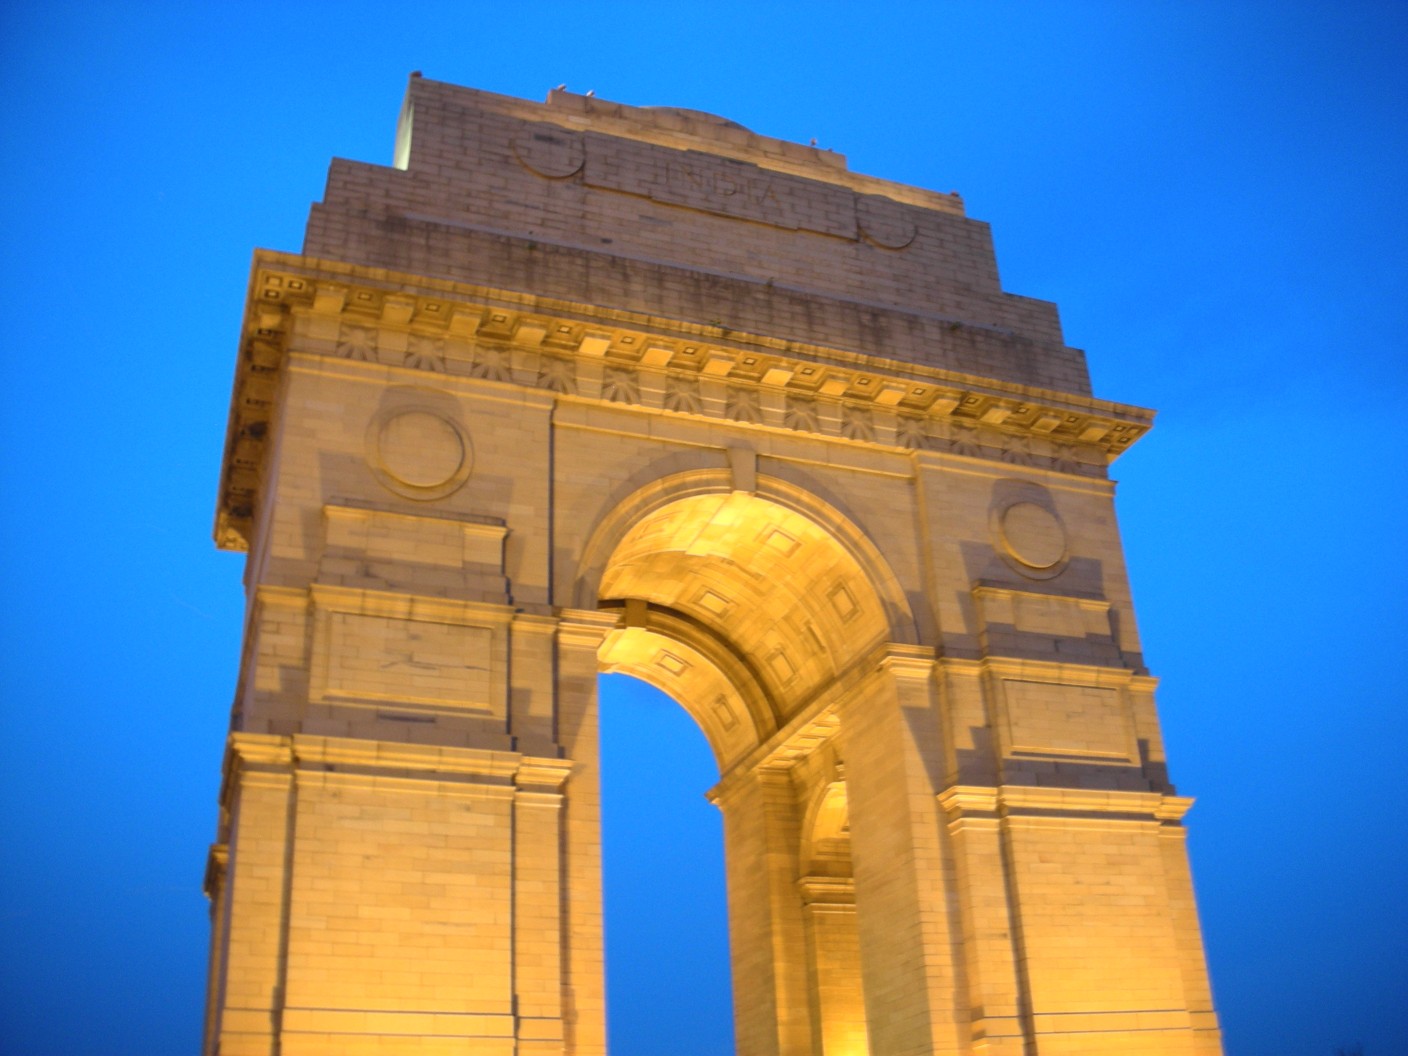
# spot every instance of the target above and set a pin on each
(518, 340)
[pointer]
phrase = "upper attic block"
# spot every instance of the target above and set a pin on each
(689, 216)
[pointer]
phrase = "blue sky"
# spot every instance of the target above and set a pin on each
(1212, 192)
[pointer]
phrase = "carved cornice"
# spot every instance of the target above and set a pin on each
(217, 862)
(835, 891)
(580, 352)
(360, 759)
(906, 661)
(963, 802)
(543, 778)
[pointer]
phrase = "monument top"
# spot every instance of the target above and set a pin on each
(679, 128)
(690, 217)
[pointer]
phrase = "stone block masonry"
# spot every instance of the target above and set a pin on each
(692, 217)
(578, 387)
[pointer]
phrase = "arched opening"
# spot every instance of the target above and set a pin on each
(828, 894)
(667, 958)
(760, 623)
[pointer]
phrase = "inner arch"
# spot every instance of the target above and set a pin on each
(667, 955)
(780, 609)
(688, 662)
(758, 620)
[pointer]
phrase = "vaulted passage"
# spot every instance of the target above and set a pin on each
(759, 622)
(742, 610)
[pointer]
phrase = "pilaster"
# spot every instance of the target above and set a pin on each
(772, 1008)
(837, 985)
(991, 926)
(260, 799)
(537, 907)
(1197, 989)
(893, 749)
(579, 637)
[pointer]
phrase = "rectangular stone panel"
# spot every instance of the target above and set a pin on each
(1023, 623)
(384, 920)
(445, 542)
(714, 184)
(380, 658)
(1048, 718)
(1097, 933)
(1071, 617)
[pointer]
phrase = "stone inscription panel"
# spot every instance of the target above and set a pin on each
(378, 658)
(1048, 718)
(719, 185)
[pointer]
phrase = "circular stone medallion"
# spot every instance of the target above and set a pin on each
(419, 454)
(884, 222)
(1032, 535)
(550, 151)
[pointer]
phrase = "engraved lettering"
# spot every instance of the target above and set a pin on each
(683, 178)
(728, 188)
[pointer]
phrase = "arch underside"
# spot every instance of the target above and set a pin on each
(756, 619)
(744, 611)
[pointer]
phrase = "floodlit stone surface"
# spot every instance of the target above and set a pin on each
(580, 387)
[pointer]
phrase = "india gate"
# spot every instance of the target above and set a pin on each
(577, 387)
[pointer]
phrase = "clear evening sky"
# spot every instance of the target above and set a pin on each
(1214, 194)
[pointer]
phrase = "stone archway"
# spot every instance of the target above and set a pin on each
(578, 385)
(771, 604)
(752, 616)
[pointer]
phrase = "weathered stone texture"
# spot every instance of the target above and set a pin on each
(591, 202)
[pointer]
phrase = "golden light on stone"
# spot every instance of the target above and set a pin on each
(474, 466)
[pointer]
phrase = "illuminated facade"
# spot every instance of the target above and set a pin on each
(578, 387)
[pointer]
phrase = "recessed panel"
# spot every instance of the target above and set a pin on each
(1047, 718)
(382, 658)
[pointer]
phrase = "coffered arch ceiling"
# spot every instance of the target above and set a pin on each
(739, 598)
